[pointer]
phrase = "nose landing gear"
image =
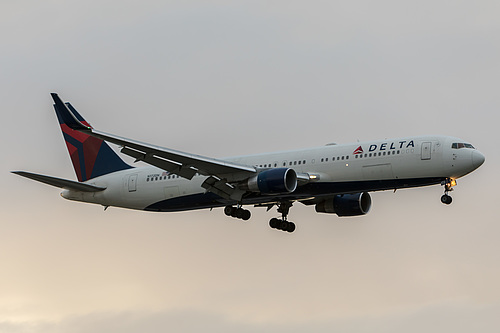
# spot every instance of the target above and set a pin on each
(448, 184)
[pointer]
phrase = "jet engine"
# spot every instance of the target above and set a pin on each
(273, 181)
(346, 204)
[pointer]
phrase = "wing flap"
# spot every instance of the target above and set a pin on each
(59, 182)
(178, 169)
(222, 188)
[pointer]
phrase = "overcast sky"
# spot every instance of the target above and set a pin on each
(222, 78)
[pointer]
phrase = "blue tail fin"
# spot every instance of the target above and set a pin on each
(91, 157)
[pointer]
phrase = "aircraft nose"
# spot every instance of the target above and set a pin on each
(477, 159)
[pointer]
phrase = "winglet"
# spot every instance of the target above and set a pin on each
(68, 117)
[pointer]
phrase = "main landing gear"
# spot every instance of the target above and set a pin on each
(283, 224)
(448, 184)
(237, 212)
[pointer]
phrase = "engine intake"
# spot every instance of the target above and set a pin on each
(273, 181)
(346, 204)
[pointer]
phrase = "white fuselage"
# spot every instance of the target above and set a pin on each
(331, 169)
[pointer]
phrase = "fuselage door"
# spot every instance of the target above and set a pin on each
(426, 150)
(132, 183)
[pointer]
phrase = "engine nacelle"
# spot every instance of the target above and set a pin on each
(346, 204)
(273, 181)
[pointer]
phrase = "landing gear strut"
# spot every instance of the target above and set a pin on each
(448, 184)
(283, 224)
(237, 212)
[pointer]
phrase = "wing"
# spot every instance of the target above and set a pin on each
(221, 173)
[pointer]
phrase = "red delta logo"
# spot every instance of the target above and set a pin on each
(358, 150)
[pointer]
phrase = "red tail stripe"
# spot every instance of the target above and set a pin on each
(74, 134)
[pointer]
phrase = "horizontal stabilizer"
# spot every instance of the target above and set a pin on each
(61, 183)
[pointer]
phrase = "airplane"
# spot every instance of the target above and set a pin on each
(335, 178)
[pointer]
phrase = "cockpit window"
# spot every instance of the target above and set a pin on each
(459, 145)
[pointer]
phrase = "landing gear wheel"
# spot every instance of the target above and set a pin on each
(274, 223)
(446, 199)
(238, 213)
(282, 225)
(228, 210)
(290, 227)
(234, 212)
(246, 215)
